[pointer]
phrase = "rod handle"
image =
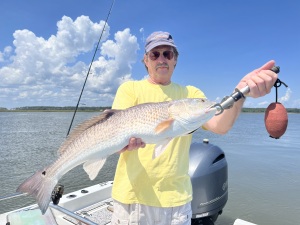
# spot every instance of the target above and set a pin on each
(245, 90)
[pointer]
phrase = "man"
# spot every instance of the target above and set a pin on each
(159, 191)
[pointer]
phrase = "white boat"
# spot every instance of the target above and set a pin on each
(90, 206)
(94, 206)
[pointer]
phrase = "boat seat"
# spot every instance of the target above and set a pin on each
(30, 217)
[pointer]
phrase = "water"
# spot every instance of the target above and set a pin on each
(264, 173)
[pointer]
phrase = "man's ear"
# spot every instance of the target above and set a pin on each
(145, 58)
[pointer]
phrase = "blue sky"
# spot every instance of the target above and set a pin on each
(46, 47)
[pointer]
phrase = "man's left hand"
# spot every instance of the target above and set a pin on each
(259, 81)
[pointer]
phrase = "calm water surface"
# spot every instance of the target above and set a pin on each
(264, 173)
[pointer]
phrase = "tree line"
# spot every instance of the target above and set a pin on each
(262, 110)
(56, 108)
(102, 108)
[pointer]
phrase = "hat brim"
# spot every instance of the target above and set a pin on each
(158, 43)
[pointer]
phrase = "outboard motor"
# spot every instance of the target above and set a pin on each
(209, 176)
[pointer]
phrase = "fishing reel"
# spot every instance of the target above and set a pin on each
(57, 193)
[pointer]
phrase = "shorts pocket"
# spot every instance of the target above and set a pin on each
(115, 220)
(182, 218)
(120, 214)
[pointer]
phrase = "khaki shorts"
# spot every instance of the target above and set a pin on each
(137, 214)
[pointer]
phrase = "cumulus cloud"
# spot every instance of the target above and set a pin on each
(143, 34)
(5, 53)
(286, 97)
(263, 104)
(39, 71)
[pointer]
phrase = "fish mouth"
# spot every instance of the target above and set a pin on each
(211, 108)
(215, 107)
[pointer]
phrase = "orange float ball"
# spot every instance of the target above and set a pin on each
(276, 120)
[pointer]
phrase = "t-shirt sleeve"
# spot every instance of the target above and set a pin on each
(195, 92)
(125, 96)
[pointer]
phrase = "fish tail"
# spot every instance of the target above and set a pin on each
(40, 186)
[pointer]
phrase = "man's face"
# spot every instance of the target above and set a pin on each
(161, 62)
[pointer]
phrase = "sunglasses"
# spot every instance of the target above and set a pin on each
(155, 54)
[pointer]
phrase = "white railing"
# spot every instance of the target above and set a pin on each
(72, 214)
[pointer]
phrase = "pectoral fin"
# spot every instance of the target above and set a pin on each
(164, 126)
(93, 167)
(160, 148)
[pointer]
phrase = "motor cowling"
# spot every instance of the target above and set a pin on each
(208, 170)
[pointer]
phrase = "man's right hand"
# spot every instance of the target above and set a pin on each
(134, 143)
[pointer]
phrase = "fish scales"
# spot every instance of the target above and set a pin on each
(94, 140)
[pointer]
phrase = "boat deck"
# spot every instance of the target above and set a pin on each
(99, 213)
(91, 206)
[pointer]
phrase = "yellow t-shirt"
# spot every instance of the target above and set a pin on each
(160, 182)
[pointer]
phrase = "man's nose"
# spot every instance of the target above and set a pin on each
(162, 58)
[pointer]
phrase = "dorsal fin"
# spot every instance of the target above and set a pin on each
(78, 130)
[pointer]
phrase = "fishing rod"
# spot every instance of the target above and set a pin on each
(17, 194)
(96, 49)
(14, 195)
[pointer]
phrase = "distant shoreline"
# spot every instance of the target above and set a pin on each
(16, 111)
(100, 109)
(55, 109)
(263, 110)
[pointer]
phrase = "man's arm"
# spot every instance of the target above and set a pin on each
(260, 82)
